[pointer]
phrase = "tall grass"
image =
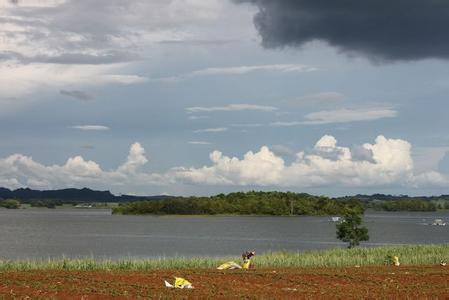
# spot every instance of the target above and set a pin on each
(408, 255)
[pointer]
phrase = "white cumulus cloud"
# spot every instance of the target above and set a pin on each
(385, 163)
(136, 159)
(19, 170)
(328, 164)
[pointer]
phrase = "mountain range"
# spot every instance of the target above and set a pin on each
(70, 195)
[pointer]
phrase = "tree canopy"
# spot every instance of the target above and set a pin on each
(350, 231)
(249, 203)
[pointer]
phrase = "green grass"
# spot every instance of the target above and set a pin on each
(408, 255)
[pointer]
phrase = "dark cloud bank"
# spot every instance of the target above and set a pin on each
(378, 29)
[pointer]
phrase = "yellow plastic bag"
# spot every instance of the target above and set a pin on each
(180, 283)
(230, 265)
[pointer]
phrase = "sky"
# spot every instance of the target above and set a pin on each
(194, 97)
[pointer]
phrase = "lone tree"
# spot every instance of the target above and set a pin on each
(349, 230)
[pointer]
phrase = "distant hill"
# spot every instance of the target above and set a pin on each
(26, 195)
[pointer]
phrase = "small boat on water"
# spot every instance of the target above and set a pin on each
(438, 222)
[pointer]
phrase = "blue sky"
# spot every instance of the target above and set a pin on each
(184, 97)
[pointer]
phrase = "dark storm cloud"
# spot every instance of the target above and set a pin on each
(379, 29)
(80, 95)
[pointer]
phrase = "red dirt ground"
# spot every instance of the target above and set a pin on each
(385, 282)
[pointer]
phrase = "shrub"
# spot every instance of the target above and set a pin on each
(10, 203)
(349, 230)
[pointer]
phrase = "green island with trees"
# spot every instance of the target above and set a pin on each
(240, 203)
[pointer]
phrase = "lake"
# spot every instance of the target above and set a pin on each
(43, 233)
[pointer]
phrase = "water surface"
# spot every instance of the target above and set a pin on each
(43, 233)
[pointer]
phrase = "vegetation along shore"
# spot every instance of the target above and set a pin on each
(408, 254)
(275, 203)
(237, 203)
(339, 273)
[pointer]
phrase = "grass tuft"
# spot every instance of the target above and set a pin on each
(408, 255)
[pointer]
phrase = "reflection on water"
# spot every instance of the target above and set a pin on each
(42, 233)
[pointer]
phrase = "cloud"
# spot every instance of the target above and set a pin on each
(282, 150)
(283, 68)
(378, 29)
(61, 31)
(384, 163)
(136, 159)
(319, 98)
(108, 57)
(231, 107)
(192, 42)
(47, 45)
(18, 170)
(247, 125)
(39, 80)
(327, 164)
(79, 95)
(199, 143)
(240, 70)
(91, 127)
(198, 117)
(218, 129)
(349, 115)
(35, 3)
(341, 116)
(121, 79)
(285, 124)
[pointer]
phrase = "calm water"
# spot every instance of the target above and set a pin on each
(42, 233)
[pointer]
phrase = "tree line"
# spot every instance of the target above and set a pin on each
(406, 205)
(257, 203)
(276, 204)
(240, 203)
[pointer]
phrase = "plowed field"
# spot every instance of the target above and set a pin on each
(423, 282)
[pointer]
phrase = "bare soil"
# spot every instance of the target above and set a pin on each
(374, 282)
